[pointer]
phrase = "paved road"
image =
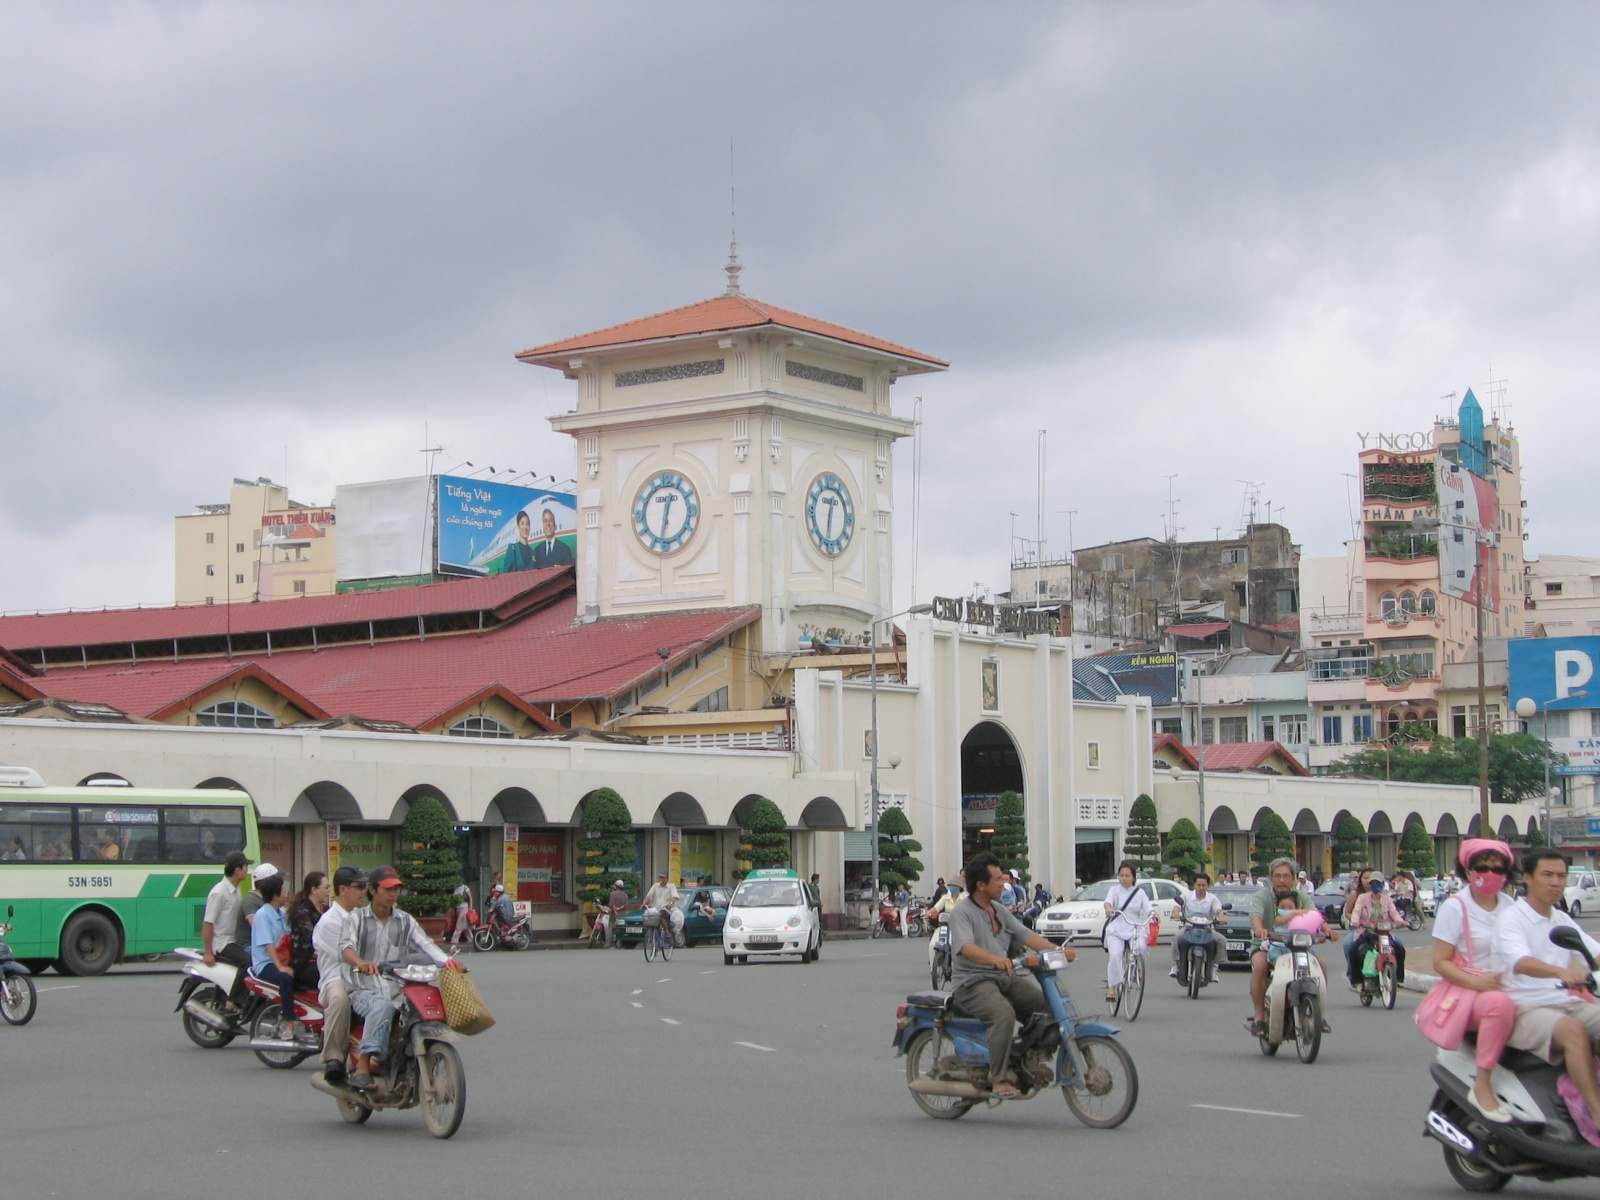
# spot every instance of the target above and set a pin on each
(772, 1079)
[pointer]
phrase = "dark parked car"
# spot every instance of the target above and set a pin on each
(1329, 899)
(697, 927)
(1236, 922)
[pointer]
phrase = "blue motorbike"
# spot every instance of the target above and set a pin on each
(17, 997)
(1196, 954)
(947, 1054)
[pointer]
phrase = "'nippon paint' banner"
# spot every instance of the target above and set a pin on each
(497, 528)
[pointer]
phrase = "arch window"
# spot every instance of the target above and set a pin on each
(1389, 607)
(480, 727)
(1408, 603)
(1430, 604)
(235, 714)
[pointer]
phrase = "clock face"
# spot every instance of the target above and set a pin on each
(830, 515)
(665, 512)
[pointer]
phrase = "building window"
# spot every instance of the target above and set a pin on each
(1429, 604)
(1233, 554)
(238, 578)
(211, 568)
(238, 547)
(717, 701)
(1269, 726)
(1552, 589)
(1292, 730)
(1172, 726)
(1458, 720)
(211, 539)
(299, 587)
(480, 727)
(235, 714)
(1332, 731)
(1408, 604)
(1361, 727)
(1094, 756)
(1288, 602)
(1208, 734)
(1234, 729)
(1389, 607)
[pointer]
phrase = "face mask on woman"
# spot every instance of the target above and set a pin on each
(1486, 883)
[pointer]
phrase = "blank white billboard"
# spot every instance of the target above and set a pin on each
(385, 528)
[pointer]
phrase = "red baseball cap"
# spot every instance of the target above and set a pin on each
(385, 877)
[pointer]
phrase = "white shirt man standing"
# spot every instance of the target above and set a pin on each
(349, 890)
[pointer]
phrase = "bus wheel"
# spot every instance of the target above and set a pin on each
(88, 945)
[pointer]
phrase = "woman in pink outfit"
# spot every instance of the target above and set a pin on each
(1465, 951)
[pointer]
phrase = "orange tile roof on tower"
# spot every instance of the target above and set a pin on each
(723, 314)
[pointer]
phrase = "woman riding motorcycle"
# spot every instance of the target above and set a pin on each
(1368, 910)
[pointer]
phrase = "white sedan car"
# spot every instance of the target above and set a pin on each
(1083, 918)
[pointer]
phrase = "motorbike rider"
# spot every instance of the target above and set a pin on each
(664, 896)
(502, 910)
(984, 936)
(269, 962)
(1376, 905)
(937, 913)
(1200, 903)
(219, 927)
(305, 910)
(1552, 1019)
(349, 890)
(1267, 914)
(379, 933)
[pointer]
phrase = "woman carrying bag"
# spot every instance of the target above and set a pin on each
(1467, 959)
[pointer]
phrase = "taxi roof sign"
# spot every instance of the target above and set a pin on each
(773, 873)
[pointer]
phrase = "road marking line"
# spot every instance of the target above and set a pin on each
(668, 979)
(708, 972)
(65, 987)
(635, 1003)
(874, 954)
(638, 991)
(753, 1046)
(1249, 1112)
(670, 1021)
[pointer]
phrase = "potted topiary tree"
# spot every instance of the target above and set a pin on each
(607, 851)
(764, 841)
(896, 850)
(1143, 840)
(425, 856)
(1273, 840)
(1010, 841)
(1349, 844)
(1186, 853)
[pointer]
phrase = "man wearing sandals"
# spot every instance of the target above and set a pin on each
(984, 937)
(1269, 913)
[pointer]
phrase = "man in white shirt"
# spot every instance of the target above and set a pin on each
(349, 890)
(1200, 903)
(1551, 1018)
(664, 896)
(219, 924)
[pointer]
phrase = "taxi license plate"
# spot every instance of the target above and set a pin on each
(1235, 945)
(764, 939)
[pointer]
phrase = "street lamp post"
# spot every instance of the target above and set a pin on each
(872, 815)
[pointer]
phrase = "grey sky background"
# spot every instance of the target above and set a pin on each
(1210, 239)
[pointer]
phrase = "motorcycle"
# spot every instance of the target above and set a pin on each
(1380, 973)
(495, 932)
(942, 965)
(1196, 955)
(1541, 1142)
(600, 931)
(889, 919)
(947, 1054)
(202, 999)
(17, 995)
(1294, 998)
(1411, 911)
(422, 1067)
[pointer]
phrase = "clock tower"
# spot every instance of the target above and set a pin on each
(732, 453)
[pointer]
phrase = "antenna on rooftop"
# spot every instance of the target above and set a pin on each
(733, 268)
(1498, 407)
(1171, 523)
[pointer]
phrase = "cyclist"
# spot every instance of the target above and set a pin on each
(1127, 909)
(663, 897)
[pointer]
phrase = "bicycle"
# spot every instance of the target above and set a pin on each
(1130, 992)
(658, 938)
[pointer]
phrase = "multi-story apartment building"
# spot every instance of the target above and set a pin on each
(260, 545)
(1338, 656)
(1442, 531)
(1561, 596)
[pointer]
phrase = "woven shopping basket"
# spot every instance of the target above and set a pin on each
(464, 1008)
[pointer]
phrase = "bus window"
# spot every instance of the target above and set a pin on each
(35, 833)
(201, 835)
(117, 834)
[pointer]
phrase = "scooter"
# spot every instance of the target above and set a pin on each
(1542, 1141)
(494, 932)
(600, 933)
(1196, 955)
(1294, 998)
(202, 999)
(422, 1067)
(941, 966)
(17, 995)
(1380, 972)
(889, 919)
(947, 1053)
(278, 1052)
(1411, 911)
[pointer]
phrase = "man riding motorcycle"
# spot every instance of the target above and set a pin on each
(1200, 903)
(1267, 913)
(349, 890)
(984, 937)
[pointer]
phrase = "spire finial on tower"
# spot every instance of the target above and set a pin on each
(733, 268)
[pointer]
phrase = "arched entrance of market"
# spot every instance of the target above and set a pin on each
(990, 765)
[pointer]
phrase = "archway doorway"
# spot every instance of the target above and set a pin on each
(990, 765)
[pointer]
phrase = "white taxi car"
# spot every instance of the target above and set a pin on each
(1583, 892)
(1083, 918)
(772, 912)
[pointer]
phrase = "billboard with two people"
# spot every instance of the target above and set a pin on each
(497, 528)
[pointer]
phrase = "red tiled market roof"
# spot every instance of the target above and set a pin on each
(718, 315)
(1246, 756)
(502, 595)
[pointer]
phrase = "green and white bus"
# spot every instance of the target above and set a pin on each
(97, 874)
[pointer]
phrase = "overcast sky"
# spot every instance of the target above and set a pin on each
(1215, 240)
